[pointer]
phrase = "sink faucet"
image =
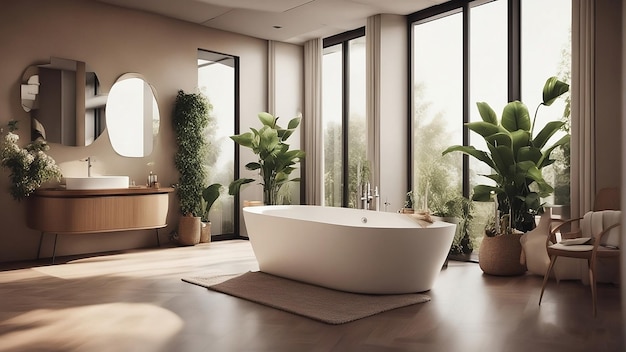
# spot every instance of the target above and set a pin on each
(88, 160)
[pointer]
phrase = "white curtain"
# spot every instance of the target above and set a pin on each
(583, 108)
(271, 77)
(623, 257)
(313, 172)
(372, 64)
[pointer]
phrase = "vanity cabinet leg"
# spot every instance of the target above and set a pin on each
(158, 239)
(54, 249)
(40, 242)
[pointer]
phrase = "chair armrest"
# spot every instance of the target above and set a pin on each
(552, 236)
(597, 239)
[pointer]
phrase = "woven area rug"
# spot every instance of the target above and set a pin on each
(318, 303)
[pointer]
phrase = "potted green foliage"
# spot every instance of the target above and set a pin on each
(458, 210)
(209, 196)
(191, 117)
(275, 161)
(517, 156)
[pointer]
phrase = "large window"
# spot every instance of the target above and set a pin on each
(437, 107)
(217, 80)
(346, 168)
(464, 52)
(546, 51)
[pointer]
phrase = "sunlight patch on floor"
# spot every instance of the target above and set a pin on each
(65, 329)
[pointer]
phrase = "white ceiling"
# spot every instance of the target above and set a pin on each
(299, 20)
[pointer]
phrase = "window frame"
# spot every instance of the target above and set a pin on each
(513, 67)
(236, 155)
(344, 39)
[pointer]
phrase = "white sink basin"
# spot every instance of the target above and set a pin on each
(96, 182)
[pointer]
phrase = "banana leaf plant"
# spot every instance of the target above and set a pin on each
(209, 196)
(275, 161)
(516, 156)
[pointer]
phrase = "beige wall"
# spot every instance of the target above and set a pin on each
(113, 41)
(608, 94)
(393, 112)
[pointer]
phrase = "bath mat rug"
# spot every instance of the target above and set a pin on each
(314, 302)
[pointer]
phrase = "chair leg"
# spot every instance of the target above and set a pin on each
(592, 283)
(547, 275)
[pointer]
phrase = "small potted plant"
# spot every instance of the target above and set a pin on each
(209, 196)
(408, 204)
(458, 210)
(29, 167)
(275, 162)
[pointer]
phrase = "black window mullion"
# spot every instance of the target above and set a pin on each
(344, 123)
(466, 96)
(514, 50)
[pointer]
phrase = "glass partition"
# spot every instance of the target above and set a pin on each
(217, 75)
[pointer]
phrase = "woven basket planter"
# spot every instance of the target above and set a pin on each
(205, 233)
(189, 230)
(500, 255)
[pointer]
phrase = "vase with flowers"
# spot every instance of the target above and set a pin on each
(29, 167)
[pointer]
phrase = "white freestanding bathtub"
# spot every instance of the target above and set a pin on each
(350, 250)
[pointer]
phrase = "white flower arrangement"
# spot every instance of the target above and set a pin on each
(30, 166)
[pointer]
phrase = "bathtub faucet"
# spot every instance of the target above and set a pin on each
(377, 198)
(366, 196)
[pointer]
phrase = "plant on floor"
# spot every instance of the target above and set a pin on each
(461, 209)
(209, 196)
(275, 161)
(516, 156)
(29, 167)
(191, 117)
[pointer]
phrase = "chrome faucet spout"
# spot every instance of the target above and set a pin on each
(88, 160)
(377, 198)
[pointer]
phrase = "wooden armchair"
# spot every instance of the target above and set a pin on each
(600, 233)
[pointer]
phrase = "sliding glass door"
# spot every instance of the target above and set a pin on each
(217, 80)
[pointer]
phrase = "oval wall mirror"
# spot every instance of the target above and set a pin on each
(64, 101)
(132, 116)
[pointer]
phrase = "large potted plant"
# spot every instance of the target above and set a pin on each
(275, 161)
(191, 117)
(209, 196)
(517, 156)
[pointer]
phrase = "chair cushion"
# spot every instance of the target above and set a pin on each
(573, 248)
(611, 217)
(595, 222)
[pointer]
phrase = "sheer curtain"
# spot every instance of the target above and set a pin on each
(372, 64)
(583, 108)
(312, 123)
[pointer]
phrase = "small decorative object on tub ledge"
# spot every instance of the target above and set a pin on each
(408, 204)
(423, 218)
(30, 166)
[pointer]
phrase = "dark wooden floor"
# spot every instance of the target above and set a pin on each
(136, 301)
